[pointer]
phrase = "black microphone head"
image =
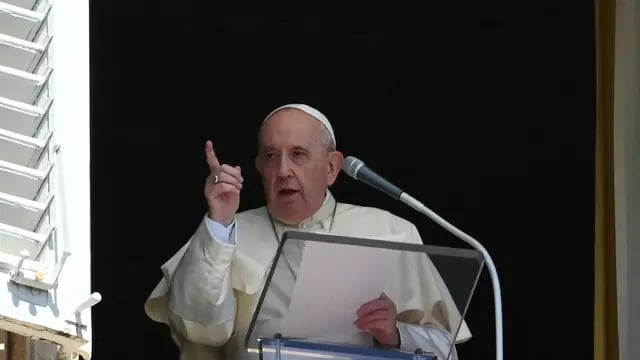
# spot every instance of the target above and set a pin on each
(351, 166)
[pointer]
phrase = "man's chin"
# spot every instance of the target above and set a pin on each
(287, 212)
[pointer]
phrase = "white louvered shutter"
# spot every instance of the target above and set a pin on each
(45, 262)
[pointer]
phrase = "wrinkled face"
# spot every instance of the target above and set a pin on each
(296, 164)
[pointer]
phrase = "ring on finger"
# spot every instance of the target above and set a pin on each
(216, 179)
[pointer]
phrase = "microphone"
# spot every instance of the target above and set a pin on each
(357, 169)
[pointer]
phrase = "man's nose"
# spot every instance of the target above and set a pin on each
(284, 168)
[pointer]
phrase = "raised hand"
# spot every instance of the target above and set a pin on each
(222, 188)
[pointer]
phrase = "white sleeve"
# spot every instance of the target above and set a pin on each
(200, 303)
(220, 232)
(426, 338)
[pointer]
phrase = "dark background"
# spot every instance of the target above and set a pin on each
(483, 110)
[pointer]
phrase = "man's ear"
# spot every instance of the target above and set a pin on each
(335, 165)
(259, 165)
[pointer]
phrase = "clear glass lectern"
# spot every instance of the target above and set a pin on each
(308, 305)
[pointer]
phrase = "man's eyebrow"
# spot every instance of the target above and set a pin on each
(266, 148)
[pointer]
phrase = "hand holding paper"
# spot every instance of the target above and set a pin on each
(378, 317)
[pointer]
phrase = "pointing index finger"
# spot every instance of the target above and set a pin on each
(212, 160)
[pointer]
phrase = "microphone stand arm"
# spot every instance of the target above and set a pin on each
(421, 208)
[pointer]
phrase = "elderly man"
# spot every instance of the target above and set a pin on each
(211, 286)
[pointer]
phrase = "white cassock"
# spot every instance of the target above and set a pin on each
(212, 285)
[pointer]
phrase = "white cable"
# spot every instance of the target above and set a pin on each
(497, 297)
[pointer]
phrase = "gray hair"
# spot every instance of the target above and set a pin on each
(328, 140)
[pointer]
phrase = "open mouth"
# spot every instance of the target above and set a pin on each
(287, 192)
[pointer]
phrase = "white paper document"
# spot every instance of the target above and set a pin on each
(333, 281)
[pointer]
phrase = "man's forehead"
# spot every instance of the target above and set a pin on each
(290, 132)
